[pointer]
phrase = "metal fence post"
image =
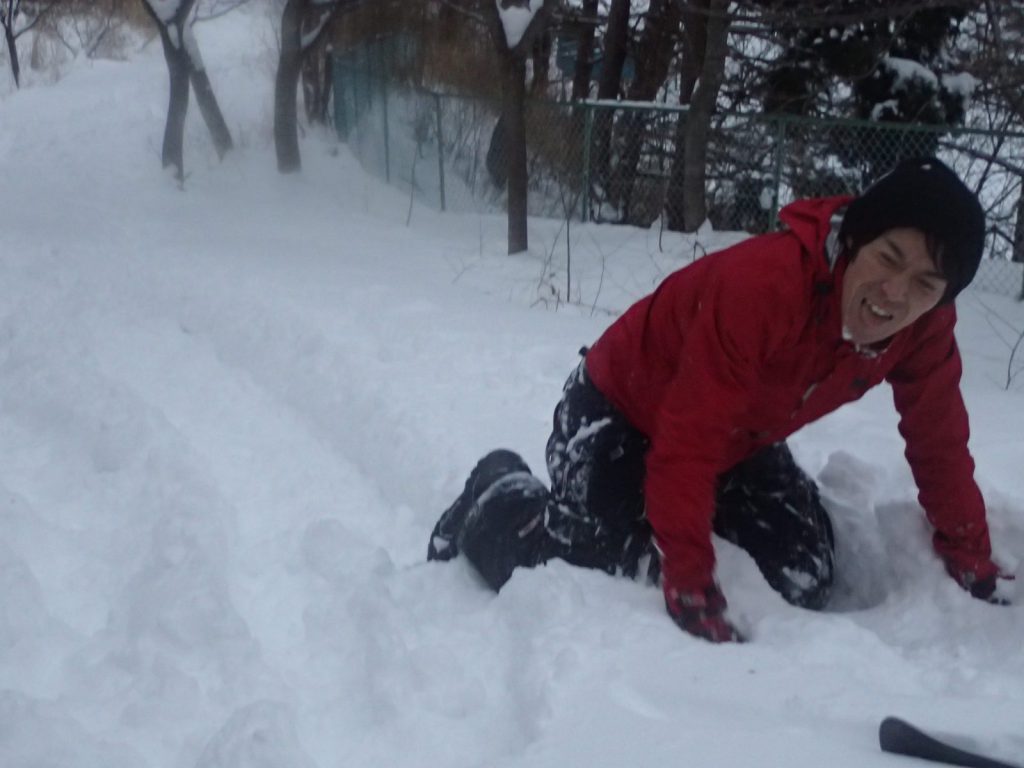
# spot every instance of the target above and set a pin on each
(780, 142)
(588, 130)
(369, 79)
(339, 105)
(440, 148)
(827, 155)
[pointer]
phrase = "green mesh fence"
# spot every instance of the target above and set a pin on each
(621, 163)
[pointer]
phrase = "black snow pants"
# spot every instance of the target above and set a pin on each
(593, 515)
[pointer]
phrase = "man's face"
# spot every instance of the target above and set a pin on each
(890, 283)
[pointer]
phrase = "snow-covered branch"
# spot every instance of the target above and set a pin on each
(209, 10)
(166, 11)
(516, 17)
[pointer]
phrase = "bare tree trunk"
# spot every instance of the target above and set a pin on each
(513, 114)
(205, 98)
(514, 123)
(698, 121)
(173, 151)
(327, 86)
(541, 65)
(316, 73)
(655, 51)
(695, 39)
(612, 62)
(286, 120)
(12, 53)
(497, 156)
(310, 81)
(1018, 237)
(614, 56)
(654, 59)
(1018, 230)
(584, 53)
(695, 44)
(302, 25)
(174, 37)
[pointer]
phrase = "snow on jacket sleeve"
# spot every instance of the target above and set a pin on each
(934, 424)
(735, 324)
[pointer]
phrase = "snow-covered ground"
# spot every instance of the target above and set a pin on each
(230, 415)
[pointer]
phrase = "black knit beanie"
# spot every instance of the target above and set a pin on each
(923, 193)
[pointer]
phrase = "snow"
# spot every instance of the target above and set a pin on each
(885, 108)
(516, 18)
(641, 105)
(907, 70)
(960, 84)
(231, 414)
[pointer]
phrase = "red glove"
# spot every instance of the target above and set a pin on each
(701, 613)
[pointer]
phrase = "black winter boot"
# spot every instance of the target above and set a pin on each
(505, 529)
(443, 543)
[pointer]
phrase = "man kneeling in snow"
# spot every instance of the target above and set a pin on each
(673, 425)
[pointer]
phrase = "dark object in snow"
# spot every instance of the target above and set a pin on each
(443, 543)
(901, 738)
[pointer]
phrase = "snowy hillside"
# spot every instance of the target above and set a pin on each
(230, 415)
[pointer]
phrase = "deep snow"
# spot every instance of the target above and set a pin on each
(230, 415)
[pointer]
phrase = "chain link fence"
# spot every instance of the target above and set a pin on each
(620, 162)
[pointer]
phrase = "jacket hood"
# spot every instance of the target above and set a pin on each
(811, 220)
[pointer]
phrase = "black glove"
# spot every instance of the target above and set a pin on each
(980, 578)
(987, 589)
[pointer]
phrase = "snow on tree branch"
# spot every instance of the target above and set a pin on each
(165, 10)
(906, 70)
(516, 18)
(961, 84)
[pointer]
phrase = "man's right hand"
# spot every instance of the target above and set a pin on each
(701, 613)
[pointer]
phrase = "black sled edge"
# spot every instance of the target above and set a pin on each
(899, 737)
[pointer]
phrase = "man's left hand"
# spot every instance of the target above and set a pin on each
(995, 589)
(995, 586)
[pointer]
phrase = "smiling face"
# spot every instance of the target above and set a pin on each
(890, 283)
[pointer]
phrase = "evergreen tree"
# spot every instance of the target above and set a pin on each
(872, 60)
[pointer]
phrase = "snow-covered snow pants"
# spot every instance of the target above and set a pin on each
(594, 515)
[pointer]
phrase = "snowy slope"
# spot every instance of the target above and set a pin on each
(230, 415)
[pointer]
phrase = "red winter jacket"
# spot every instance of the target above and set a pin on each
(742, 348)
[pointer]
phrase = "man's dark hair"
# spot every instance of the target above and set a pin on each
(925, 194)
